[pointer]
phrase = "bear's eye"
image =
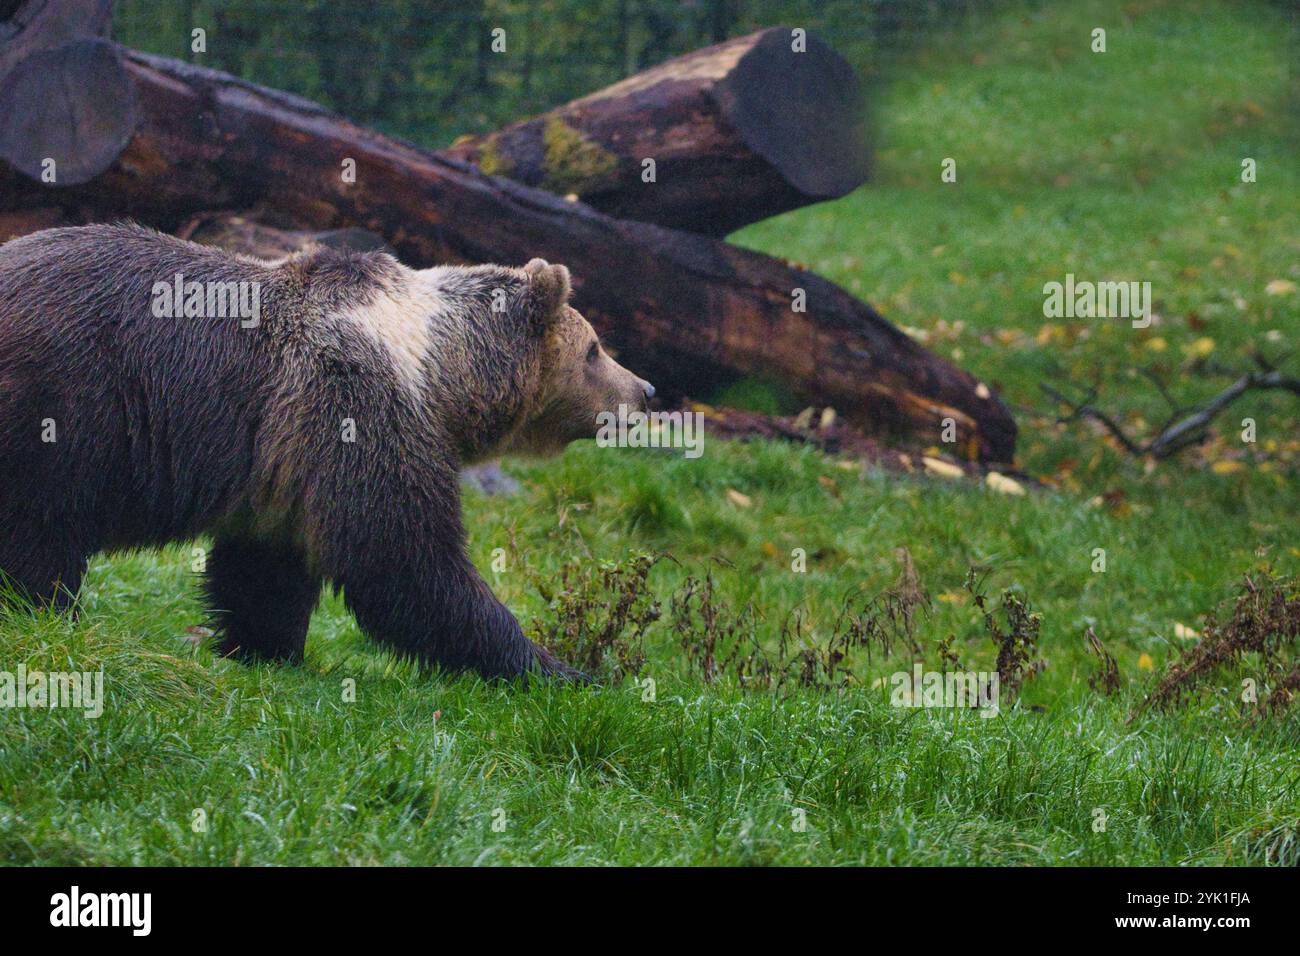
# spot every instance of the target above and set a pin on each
(593, 351)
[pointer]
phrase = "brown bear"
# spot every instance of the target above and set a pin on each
(310, 414)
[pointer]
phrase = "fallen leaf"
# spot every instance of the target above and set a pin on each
(195, 633)
(1280, 287)
(939, 467)
(739, 499)
(1000, 482)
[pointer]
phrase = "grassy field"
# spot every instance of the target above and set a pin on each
(1123, 165)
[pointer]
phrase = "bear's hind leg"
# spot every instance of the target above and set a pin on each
(261, 596)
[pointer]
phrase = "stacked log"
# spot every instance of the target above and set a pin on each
(171, 144)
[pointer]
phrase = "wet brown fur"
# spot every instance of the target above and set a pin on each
(168, 428)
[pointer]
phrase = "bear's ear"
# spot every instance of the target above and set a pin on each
(548, 289)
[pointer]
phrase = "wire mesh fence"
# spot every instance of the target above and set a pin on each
(432, 69)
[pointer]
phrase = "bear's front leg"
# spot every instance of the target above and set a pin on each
(261, 597)
(384, 524)
(451, 618)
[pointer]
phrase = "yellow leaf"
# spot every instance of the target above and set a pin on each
(1145, 662)
(1000, 482)
(1227, 467)
(830, 484)
(739, 499)
(1280, 287)
(953, 597)
(939, 467)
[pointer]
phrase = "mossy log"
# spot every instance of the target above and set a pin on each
(738, 132)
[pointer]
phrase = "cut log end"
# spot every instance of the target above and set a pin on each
(69, 112)
(801, 110)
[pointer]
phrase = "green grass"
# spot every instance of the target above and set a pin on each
(1122, 165)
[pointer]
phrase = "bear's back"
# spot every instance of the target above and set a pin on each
(106, 405)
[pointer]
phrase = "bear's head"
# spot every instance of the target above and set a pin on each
(572, 378)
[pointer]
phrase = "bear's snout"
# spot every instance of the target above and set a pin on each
(644, 391)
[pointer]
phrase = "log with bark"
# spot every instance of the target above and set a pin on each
(251, 238)
(738, 132)
(689, 312)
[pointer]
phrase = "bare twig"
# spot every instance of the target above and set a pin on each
(1188, 431)
(1186, 426)
(1085, 409)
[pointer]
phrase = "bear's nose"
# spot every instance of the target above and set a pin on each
(648, 389)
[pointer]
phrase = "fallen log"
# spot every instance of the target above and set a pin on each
(689, 312)
(821, 428)
(738, 132)
(241, 234)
